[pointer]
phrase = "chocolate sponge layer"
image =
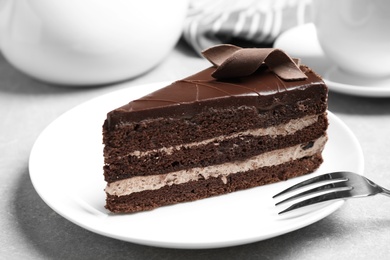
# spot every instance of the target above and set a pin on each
(168, 195)
(205, 155)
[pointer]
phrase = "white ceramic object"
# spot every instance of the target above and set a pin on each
(354, 34)
(88, 42)
(301, 41)
(71, 182)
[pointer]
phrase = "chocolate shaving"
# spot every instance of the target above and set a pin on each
(232, 61)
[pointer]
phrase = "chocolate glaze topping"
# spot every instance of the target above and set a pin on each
(262, 88)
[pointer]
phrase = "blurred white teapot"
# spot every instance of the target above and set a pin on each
(88, 42)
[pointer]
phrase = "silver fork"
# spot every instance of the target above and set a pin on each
(335, 185)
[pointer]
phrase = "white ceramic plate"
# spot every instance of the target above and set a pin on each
(301, 42)
(66, 170)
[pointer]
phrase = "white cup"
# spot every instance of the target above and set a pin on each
(88, 42)
(355, 35)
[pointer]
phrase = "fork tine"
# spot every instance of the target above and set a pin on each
(316, 179)
(328, 187)
(318, 199)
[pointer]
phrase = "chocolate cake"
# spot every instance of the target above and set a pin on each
(255, 117)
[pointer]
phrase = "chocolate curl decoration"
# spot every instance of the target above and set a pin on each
(232, 61)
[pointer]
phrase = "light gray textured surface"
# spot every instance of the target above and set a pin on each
(31, 230)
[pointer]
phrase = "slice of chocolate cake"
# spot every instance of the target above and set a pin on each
(254, 118)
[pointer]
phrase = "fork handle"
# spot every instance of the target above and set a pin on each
(385, 192)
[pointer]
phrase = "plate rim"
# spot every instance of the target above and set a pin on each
(217, 244)
(360, 91)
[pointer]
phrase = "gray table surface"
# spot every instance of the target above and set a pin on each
(29, 229)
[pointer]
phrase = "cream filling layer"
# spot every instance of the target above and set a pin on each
(285, 129)
(272, 158)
